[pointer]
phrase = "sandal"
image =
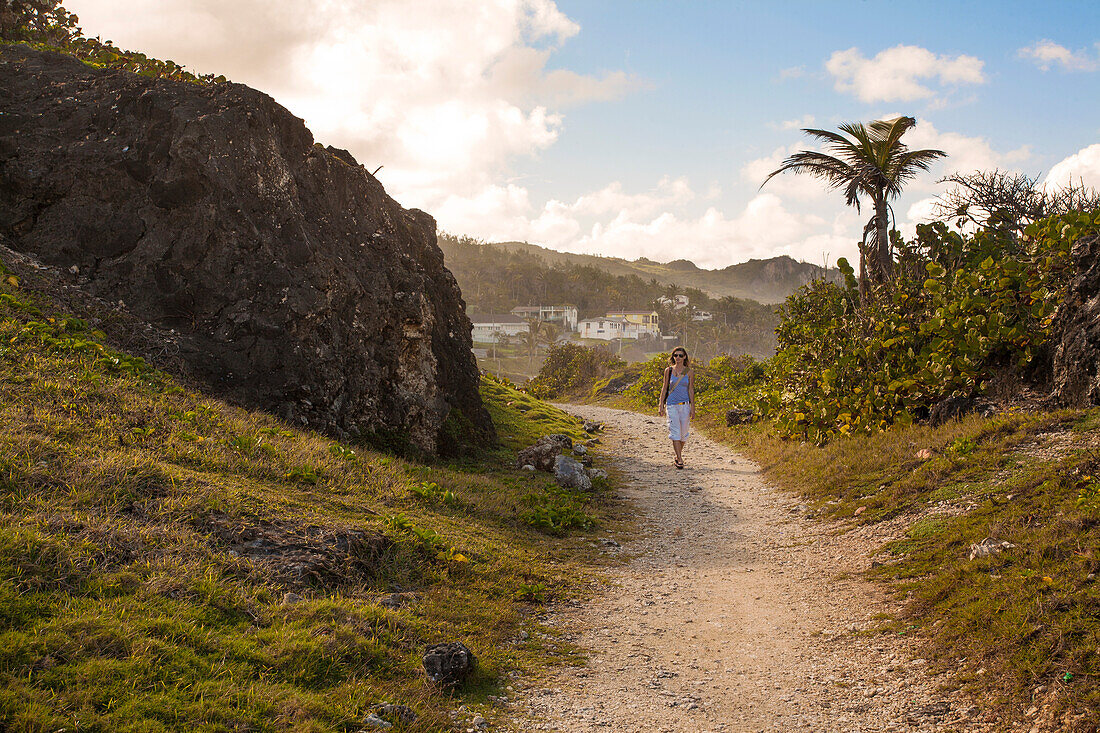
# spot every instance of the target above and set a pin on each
(678, 464)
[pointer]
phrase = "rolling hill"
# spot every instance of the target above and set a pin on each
(765, 281)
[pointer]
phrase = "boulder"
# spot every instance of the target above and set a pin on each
(580, 450)
(541, 455)
(294, 282)
(989, 547)
(738, 416)
(592, 427)
(949, 408)
(1075, 332)
(396, 713)
(373, 721)
(570, 474)
(562, 441)
(449, 664)
(596, 473)
(618, 385)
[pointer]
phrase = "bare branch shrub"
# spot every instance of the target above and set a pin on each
(1008, 202)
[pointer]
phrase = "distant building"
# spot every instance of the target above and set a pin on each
(489, 327)
(702, 316)
(680, 301)
(620, 325)
(605, 329)
(642, 322)
(564, 316)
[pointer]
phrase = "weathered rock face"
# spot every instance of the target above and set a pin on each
(296, 284)
(1075, 333)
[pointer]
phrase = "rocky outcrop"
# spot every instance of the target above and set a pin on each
(449, 664)
(294, 283)
(541, 455)
(1075, 332)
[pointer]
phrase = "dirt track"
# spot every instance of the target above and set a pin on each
(735, 613)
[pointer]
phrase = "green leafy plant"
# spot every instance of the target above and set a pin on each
(531, 592)
(555, 511)
(432, 491)
(303, 474)
(341, 451)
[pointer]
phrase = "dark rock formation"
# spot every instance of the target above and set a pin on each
(294, 282)
(449, 664)
(738, 416)
(618, 385)
(1075, 332)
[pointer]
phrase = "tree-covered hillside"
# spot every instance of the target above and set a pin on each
(497, 279)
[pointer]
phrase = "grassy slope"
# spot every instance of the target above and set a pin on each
(148, 536)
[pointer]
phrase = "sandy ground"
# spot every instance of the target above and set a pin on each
(734, 613)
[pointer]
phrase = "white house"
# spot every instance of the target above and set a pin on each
(603, 328)
(489, 327)
(564, 316)
(702, 316)
(640, 323)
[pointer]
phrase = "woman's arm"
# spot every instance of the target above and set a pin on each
(664, 392)
(691, 391)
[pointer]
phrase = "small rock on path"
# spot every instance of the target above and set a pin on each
(735, 614)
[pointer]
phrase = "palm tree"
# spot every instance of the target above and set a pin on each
(529, 339)
(871, 160)
(548, 334)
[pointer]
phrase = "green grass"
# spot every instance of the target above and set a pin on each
(521, 419)
(149, 536)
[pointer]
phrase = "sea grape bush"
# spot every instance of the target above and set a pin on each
(46, 25)
(569, 367)
(846, 366)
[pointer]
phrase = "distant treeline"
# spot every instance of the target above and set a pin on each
(494, 279)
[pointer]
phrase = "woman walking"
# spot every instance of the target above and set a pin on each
(678, 400)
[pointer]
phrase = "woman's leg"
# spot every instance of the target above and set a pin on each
(678, 447)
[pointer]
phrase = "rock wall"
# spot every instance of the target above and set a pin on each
(294, 282)
(1075, 332)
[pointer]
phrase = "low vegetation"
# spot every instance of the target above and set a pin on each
(169, 562)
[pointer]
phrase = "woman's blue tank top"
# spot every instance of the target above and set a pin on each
(678, 393)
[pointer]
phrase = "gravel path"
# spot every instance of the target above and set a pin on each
(735, 613)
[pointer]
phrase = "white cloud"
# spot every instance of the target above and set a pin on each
(1047, 54)
(1081, 167)
(797, 186)
(802, 122)
(965, 153)
(614, 223)
(443, 94)
(900, 74)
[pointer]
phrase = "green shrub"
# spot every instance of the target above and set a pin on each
(571, 367)
(845, 366)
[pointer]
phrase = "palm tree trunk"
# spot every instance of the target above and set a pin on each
(883, 262)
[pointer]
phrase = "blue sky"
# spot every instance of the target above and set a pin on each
(644, 128)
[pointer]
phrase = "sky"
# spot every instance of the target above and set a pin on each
(645, 128)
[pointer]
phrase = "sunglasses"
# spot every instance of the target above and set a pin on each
(682, 356)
